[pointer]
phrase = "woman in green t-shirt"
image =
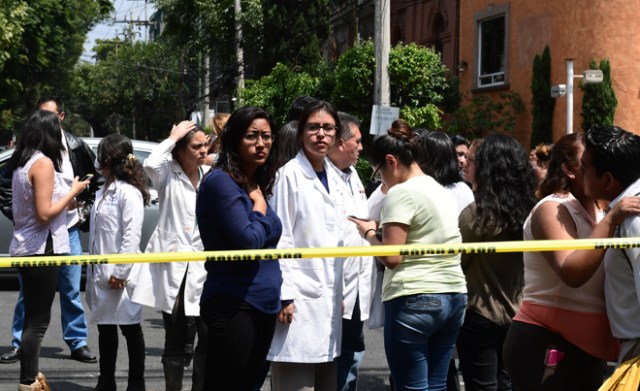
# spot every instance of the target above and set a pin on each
(424, 295)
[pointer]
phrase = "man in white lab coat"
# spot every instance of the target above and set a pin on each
(357, 269)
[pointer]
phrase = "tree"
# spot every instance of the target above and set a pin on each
(485, 115)
(294, 33)
(142, 84)
(206, 27)
(12, 19)
(418, 82)
(542, 102)
(599, 101)
(276, 91)
(47, 38)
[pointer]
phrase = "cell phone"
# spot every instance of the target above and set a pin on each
(358, 218)
(86, 177)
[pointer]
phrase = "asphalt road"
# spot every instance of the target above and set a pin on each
(65, 374)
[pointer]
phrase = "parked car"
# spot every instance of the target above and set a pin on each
(141, 149)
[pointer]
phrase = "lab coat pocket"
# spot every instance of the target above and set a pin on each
(166, 241)
(101, 275)
(308, 282)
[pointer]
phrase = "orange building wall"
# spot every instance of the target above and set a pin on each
(579, 29)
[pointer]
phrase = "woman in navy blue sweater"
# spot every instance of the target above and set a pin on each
(240, 298)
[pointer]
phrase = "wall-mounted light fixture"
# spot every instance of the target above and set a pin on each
(462, 66)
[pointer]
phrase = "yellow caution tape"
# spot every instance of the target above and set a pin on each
(294, 253)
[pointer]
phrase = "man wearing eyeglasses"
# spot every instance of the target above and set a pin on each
(357, 270)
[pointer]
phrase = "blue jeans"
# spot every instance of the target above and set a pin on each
(74, 322)
(420, 333)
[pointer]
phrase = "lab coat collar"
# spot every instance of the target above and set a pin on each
(310, 173)
(178, 172)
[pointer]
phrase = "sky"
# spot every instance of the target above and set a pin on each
(123, 9)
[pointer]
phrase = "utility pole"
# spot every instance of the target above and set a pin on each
(239, 49)
(205, 92)
(382, 47)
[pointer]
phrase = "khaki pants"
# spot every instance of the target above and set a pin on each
(287, 376)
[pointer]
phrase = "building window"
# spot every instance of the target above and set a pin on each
(492, 32)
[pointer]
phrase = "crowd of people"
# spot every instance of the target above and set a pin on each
(517, 321)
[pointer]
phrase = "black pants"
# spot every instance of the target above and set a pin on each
(239, 340)
(38, 290)
(480, 352)
(179, 329)
(108, 345)
(525, 358)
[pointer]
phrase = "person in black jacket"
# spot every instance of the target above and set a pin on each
(78, 160)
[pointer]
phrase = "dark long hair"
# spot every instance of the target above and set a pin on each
(400, 141)
(506, 185)
(565, 152)
(440, 160)
(116, 152)
(42, 133)
(229, 159)
(286, 145)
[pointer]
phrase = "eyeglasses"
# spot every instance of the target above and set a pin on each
(253, 137)
(375, 176)
(313, 128)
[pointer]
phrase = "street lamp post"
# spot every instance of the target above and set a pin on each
(588, 77)
(570, 77)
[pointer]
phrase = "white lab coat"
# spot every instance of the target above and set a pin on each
(310, 217)
(376, 314)
(116, 227)
(177, 231)
(357, 270)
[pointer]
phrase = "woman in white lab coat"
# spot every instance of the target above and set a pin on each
(175, 169)
(116, 227)
(308, 199)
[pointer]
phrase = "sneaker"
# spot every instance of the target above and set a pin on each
(11, 356)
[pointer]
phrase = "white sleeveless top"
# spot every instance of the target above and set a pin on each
(543, 286)
(29, 236)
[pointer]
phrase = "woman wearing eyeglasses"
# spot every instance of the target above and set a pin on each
(424, 296)
(308, 199)
(240, 299)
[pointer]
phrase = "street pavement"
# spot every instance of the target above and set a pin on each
(65, 374)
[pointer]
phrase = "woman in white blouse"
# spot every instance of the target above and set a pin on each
(116, 227)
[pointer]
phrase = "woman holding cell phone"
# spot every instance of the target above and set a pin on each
(40, 195)
(424, 296)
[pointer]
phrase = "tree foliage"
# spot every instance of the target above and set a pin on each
(486, 115)
(276, 91)
(145, 83)
(542, 102)
(294, 32)
(599, 101)
(46, 38)
(417, 76)
(12, 19)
